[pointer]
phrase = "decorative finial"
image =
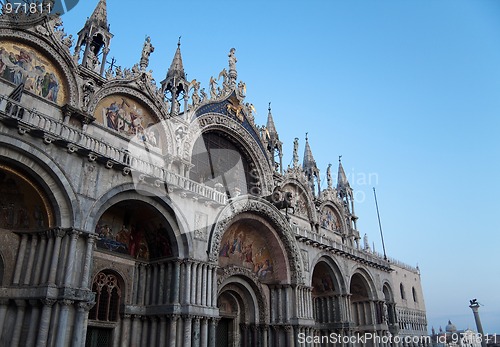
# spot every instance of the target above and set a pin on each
(179, 42)
(306, 136)
(340, 158)
(269, 107)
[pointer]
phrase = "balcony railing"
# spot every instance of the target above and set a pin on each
(76, 140)
(324, 242)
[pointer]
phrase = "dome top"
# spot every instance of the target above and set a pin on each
(451, 328)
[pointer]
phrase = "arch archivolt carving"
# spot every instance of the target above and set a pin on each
(228, 276)
(278, 221)
(224, 124)
(63, 61)
(342, 220)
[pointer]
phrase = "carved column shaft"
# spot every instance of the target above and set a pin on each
(20, 258)
(39, 262)
(29, 268)
(88, 263)
(55, 257)
(68, 278)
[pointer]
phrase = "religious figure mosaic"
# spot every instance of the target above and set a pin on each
(244, 246)
(133, 231)
(329, 219)
(20, 63)
(129, 118)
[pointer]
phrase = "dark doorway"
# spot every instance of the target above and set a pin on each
(223, 329)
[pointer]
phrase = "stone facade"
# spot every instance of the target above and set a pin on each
(138, 215)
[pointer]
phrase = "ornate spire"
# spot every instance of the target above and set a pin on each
(310, 168)
(96, 38)
(271, 128)
(100, 15)
(175, 82)
(274, 145)
(176, 69)
(309, 161)
(342, 182)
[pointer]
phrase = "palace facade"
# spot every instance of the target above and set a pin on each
(137, 214)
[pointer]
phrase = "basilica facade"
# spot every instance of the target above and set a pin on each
(141, 214)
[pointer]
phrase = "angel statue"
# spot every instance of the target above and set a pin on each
(242, 89)
(196, 87)
(296, 152)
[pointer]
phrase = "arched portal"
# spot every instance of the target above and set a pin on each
(389, 309)
(362, 307)
(240, 306)
(135, 228)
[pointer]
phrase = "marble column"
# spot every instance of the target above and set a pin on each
(16, 334)
(187, 331)
(125, 336)
(31, 259)
(203, 285)
(56, 253)
(162, 338)
(21, 253)
(186, 296)
(204, 332)
(37, 273)
(264, 335)
(69, 272)
(290, 337)
(196, 332)
(172, 331)
(212, 331)
(194, 281)
(209, 286)
(144, 332)
(79, 323)
(33, 323)
(199, 284)
(154, 331)
(43, 331)
(214, 286)
(63, 323)
(161, 284)
(176, 282)
(85, 284)
(4, 303)
(135, 331)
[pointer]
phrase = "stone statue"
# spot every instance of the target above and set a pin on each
(146, 51)
(213, 90)
(88, 91)
(366, 245)
(329, 176)
(203, 95)
(242, 89)
(296, 152)
(196, 86)
(232, 60)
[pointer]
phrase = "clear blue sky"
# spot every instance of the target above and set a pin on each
(408, 91)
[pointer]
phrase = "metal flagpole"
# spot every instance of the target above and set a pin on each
(379, 224)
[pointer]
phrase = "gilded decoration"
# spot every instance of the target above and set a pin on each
(329, 219)
(244, 246)
(23, 206)
(20, 63)
(129, 118)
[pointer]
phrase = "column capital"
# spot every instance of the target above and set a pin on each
(86, 306)
(66, 302)
(48, 302)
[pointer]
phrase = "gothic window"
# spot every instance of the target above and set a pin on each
(217, 161)
(402, 290)
(107, 300)
(414, 294)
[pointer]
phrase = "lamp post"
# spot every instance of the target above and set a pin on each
(474, 305)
